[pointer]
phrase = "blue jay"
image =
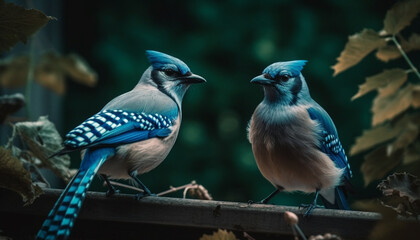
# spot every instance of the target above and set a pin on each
(131, 135)
(294, 140)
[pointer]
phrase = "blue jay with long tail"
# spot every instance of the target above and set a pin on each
(130, 136)
(294, 140)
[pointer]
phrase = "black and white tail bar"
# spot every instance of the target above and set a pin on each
(104, 122)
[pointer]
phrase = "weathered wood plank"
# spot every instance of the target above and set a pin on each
(202, 214)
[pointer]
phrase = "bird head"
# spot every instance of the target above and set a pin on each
(169, 74)
(283, 82)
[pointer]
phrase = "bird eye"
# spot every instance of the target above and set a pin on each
(169, 72)
(283, 78)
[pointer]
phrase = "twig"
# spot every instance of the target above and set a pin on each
(394, 39)
(187, 187)
(248, 237)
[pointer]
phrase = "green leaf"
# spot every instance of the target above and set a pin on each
(377, 163)
(43, 140)
(18, 23)
(388, 80)
(15, 177)
(358, 46)
(401, 15)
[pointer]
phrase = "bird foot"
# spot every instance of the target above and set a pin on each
(309, 209)
(143, 195)
(111, 192)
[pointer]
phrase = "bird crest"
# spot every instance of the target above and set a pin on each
(291, 68)
(162, 61)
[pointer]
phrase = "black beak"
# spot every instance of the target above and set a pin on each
(190, 79)
(262, 80)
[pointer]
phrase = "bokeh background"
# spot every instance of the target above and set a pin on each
(228, 43)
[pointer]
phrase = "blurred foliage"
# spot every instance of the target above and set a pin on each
(18, 23)
(49, 71)
(393, 139)
(228, 43)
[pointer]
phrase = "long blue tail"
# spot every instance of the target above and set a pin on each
(61, 218)
(340, 200)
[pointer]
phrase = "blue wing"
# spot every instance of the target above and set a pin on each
(330, 144)
(117, 127)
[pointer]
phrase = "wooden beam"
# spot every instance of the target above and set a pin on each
(258, 218)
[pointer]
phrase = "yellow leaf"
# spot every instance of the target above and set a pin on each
(14, 71)
(358, 46)
(392, 79)
(377, 163)
(43, 140)
(388, 107)
(15, 177)
(79, 70)
(219, 235)
(18, 24)
(401, 15)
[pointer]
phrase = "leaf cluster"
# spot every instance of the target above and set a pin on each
(393, 138)
(19, 165)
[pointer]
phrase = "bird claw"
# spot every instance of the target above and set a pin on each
(309, 209)
(143, 195)
(111, 192)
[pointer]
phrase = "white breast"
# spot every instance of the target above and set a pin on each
(142, 156)
(285, 143)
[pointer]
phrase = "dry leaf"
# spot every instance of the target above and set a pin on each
(79, 70)
(389, 52)
(358, 46)
(388, 107)
(408, 136)
(327, 236)
(43, 140)
(402, 193)
(377, 163)
(388, 81)
(10, 104)
(219, 235)
(401, 15)
(14, 71)
(15, 177)
(18, 23)
(375, 136)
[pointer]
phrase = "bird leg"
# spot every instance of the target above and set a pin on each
(269, 197)
(111, 189)
(146, 192)
(312, 206)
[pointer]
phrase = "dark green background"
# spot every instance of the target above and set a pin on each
(228, 43)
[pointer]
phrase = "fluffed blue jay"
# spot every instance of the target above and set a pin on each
(131, 135)
(294, 140)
